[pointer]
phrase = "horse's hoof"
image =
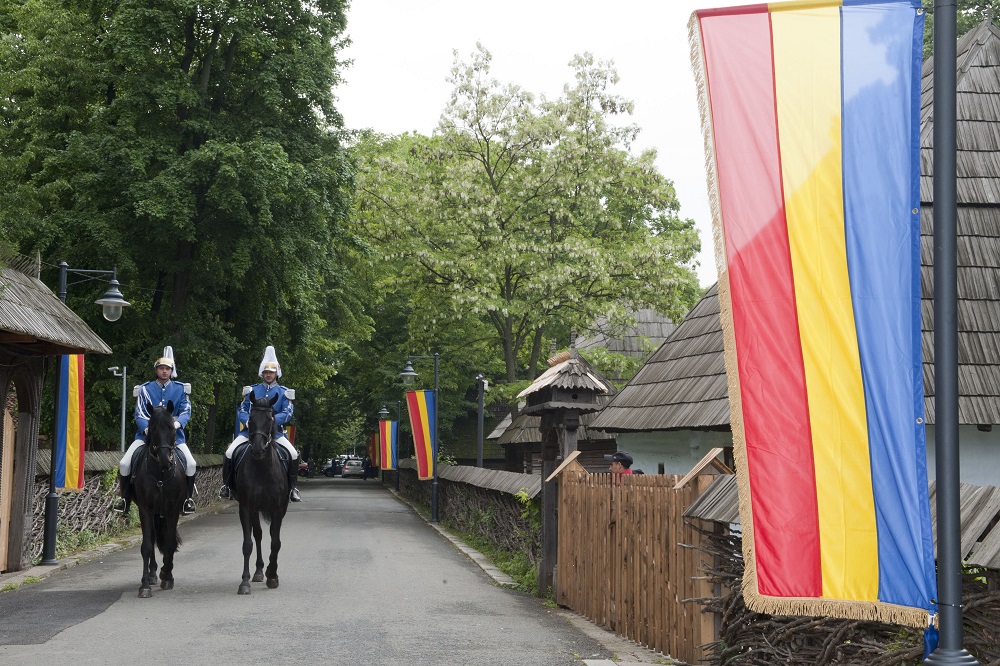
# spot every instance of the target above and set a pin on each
(145, 593)
(258, 577)
(166, 584)
(272, 583)
(244, 588)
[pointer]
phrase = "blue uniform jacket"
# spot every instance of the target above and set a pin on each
(282, 409)
(158, 395)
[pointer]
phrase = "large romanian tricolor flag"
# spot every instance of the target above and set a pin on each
(811, 117)
(420, 405)
(388, 432)
(70, 424)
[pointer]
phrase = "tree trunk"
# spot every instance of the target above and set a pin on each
(213, 413)
(536, 352)
(509, 357)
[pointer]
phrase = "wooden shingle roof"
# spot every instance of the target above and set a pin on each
(978, 167)
(650, 330)
(683, 385)
(33, 319)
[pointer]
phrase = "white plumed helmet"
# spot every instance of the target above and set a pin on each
(269, 362)
(168, 360)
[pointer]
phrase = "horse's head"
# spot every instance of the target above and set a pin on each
(261, 425)
(161, 439)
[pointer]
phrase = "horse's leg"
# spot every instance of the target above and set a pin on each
(147, 549)
(258, 534)
(168, 541)
(247, 548)
(272, 564)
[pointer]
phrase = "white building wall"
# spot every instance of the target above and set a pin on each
(978, 455)
(679, 450)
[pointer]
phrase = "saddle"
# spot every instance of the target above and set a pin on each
(139, 457)
(240, 453)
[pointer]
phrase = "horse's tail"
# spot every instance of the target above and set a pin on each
(166, 531)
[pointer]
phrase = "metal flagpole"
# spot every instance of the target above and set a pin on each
(949, 556)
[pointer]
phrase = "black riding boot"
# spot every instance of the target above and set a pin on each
(188, 502)
(227, 466)
(293, 475)
(121, 505)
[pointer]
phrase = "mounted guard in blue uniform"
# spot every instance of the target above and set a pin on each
(158, 393)
(270, 372)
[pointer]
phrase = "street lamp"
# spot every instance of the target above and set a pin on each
(480, 417)
(124, 375)
(383, 415)
(409, 374)
(111, 305)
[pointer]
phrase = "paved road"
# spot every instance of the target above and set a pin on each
(363, 580)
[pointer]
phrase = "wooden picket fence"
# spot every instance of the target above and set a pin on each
(621, 563)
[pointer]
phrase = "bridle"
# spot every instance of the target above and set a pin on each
(268, 434)
(171, 447)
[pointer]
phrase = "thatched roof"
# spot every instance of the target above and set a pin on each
(34, 320)
(683, 385)
(527, 428)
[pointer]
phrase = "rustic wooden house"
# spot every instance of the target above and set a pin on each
(34, 327)
(676, 407)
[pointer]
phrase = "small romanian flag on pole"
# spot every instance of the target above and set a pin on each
(811, 119)
(420, 405)
(388, 436)
(70, 424)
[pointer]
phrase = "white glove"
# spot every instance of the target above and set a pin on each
(145, 431)
(177, 425)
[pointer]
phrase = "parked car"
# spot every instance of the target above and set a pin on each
(353, 467)
(304, 469)
(333, 468)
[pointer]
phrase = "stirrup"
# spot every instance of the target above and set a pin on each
(294, 496)
(188, 507)
(224, 492)
(119, 505)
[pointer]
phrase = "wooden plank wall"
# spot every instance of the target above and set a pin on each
(620, 562)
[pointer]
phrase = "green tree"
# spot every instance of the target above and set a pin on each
(969, 14)
(526, 215)
(196, 146)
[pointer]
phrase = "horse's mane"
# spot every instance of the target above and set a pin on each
(161, 424)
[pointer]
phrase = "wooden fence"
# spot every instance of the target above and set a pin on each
(621, 563)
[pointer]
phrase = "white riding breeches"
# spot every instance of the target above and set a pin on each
(125, 466)
(281, 440)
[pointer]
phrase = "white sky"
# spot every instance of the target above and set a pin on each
(402, 53)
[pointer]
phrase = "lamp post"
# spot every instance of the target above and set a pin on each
(409, 374)
(384, 414)
(480, 417)
(111, 304)
(124, 375)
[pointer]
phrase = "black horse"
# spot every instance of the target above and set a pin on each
(262, 490)
(160, 489)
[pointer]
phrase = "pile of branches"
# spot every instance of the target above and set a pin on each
(88, 513)
(754, 639)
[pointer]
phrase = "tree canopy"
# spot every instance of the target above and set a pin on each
(522, 216)
(197, 147)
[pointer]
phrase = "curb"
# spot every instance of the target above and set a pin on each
(499, 578)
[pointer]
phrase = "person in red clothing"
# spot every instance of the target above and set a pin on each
(621, 462)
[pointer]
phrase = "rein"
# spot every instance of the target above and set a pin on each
(154, 460)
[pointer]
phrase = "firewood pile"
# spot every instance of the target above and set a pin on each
(753, 639)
